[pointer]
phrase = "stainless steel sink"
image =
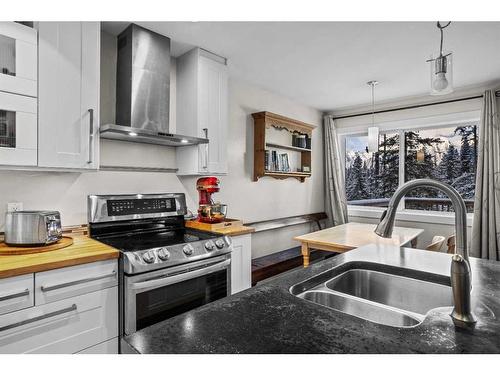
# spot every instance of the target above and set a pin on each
(391, 290)
(380, 297)
(361, 309)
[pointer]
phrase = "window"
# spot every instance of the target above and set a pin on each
(446, 154)
(371, 177)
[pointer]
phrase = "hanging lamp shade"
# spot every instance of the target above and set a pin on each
(373, 132)
(373, 139)
(441, 74)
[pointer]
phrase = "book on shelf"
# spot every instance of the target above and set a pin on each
(276, 162)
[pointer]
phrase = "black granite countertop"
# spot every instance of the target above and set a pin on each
(269, 319)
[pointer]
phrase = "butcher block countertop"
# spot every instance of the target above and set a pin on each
(83, 250)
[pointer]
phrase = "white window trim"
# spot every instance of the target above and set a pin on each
(434, 217)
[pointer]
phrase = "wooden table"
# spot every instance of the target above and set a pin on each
(349, 236)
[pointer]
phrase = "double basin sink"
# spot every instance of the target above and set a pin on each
(379, 293)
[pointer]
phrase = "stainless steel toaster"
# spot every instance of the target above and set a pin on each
(32, 228)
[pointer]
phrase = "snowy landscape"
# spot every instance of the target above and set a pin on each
(445, 154)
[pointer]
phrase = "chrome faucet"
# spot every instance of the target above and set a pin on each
(460, 267)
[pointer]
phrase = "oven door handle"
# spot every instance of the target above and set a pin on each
(169, 280)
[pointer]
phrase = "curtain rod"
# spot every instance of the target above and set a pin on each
(497, 94)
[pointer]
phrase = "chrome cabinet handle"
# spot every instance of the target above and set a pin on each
(37, 318)
(76, 282)
(205, 165)
(26, 292)
(91, 135)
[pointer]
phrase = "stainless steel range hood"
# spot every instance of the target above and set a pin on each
(143, 91)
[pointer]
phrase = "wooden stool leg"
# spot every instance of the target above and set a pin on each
(305, 254)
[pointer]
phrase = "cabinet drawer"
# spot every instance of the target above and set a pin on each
(16, 293)
(65, 327)
(18, 62)
(55, 285)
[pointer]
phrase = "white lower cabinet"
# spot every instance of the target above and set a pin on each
(76, 311)
(51, 286)
(241, 263)
(16, 293)
(106, 347)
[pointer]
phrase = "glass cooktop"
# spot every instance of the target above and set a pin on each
(149, 240)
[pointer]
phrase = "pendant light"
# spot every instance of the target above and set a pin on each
(373, 132)
(441, 67)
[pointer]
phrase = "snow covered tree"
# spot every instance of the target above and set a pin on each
(355, 184)
(468, 149)
(450, 167)
(389, 166)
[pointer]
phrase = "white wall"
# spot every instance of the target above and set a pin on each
(251, 201)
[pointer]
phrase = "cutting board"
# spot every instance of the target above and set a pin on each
(195, 224)
(18, 250)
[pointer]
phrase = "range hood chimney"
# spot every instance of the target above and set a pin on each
(143, 91)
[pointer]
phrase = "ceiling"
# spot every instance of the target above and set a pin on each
(326, 64)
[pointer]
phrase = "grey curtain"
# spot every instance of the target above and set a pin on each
(335, 198)
(485, 242)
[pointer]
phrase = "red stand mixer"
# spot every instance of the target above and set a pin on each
(208, 211)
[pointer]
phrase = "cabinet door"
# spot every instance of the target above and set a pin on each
(68, 78)
(18, 66)
(18, 130)
(241, 263)
(213, 112)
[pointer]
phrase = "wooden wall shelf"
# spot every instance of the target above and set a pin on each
(266, 120)
(285, 147)
(301, 176)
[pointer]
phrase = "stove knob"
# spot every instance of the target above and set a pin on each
(219, 243)
(209, 245)
(188, 249)
(148, 257)
(163, 254)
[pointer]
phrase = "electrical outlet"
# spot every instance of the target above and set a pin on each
(14, 206)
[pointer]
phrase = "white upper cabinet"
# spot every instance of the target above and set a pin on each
(18, 47)
(18, 91)
(202, 111)
(68, 94)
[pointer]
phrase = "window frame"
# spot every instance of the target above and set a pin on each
(400, 127)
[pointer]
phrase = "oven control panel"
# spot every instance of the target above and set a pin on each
(120, 207)
(107, 208)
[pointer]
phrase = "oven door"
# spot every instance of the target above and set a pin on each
(155, 296)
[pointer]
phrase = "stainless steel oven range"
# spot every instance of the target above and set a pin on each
(165, 268)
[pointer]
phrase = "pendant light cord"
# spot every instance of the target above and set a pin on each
(441, 28)
(373, 103)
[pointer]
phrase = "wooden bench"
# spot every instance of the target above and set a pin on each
(282, 261)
